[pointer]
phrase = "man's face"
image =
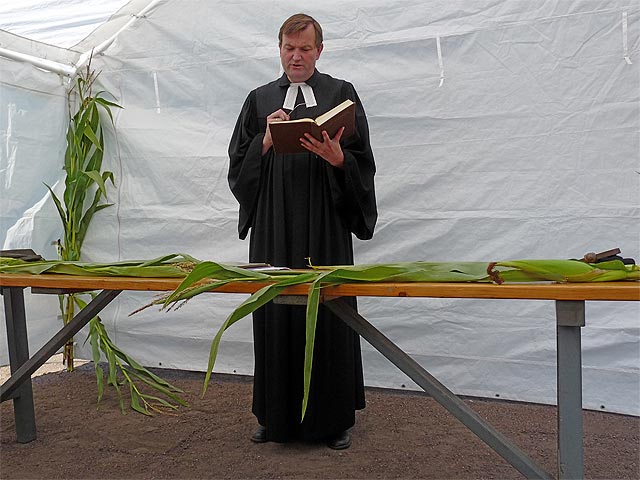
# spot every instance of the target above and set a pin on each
(298, 54)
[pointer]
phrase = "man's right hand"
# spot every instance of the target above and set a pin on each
(277, 116)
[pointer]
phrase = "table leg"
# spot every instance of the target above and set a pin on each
(569, 320)
(58, 340)
(18, 344)
(494, 439)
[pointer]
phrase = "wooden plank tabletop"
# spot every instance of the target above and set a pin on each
(623, 291)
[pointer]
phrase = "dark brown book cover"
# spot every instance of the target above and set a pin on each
(286, 134)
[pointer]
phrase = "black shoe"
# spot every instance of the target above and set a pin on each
(260, 435)
(340, 441)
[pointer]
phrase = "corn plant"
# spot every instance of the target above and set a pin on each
(168, 266)
(207, 276)
(176, 265)
(84, 182)
(85, 194)
(200, 277)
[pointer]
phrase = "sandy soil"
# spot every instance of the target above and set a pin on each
(399, 435)
(54, 364)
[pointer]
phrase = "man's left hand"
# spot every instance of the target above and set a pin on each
(329, 149)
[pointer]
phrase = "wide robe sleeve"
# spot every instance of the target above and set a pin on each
(352, 187)
(245, 163)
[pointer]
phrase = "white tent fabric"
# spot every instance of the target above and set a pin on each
(502, 130)
(60, 23)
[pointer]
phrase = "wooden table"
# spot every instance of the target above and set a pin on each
(570, 318)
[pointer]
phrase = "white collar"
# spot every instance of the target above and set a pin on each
(292, 94)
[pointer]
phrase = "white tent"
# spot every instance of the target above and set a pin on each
(502, 130)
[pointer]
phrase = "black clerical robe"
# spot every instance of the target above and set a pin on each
(300, 206)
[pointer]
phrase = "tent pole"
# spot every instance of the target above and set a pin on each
(72, 70)
(84, 58)
(49, 65)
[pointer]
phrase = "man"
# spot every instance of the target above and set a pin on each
(300, 206)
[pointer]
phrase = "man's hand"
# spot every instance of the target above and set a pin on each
(329, 149)
(277, 116)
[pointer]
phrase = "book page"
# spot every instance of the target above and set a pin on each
(334, 111)
(300, 120)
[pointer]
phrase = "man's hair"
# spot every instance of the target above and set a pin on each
(298, 22)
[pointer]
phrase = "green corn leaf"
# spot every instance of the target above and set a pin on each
(111, 359)
(11, 262)
(166, 271)
(120, 269)
(135, 401)
(95, 155)
(104, 102)
(83, 224)
(558, 270)
(98, 208)
(33, 268)
(112, 379)
(59, 207)
(93, 159)
(94, 118)
(99, 381)
(141, 371)
(106, 175)
(161, 401)
(192, 291)
(94, 207)
(567, 270)
(615, 270)
(613, 265)
(97, 178)
(409, 272)
(255, 301)
(81, 122)
(68, 157)
(313, 302)
(91, 135)
(160, 387)
(177, 257)
(216, 271)
(95, 348)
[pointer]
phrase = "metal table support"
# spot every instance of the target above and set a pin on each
(489, 435)
(18, 386)
(18, 354)
(569, 321)
(570, 318)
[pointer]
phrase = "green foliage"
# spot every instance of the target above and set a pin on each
(85, 182)
(131, 370)
(206, 276)
(318, 277)
(168, 266)
(85, 194)
(563, 271)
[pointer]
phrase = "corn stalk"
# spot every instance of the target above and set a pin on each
(84, 182)
(85, 194)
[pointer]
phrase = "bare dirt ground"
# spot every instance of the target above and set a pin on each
(400, 435)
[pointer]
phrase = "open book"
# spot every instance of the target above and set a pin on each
(286, 134)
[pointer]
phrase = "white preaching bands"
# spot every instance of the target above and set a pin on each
(292, 93)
